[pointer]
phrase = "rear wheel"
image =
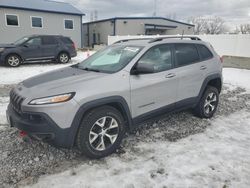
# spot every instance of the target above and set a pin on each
(13, 60)
(100, 132)
(208, 103)
(63, 57)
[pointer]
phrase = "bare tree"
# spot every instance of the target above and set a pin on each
(215, 26)
(206, 25)
(199, 23)
(245, 28)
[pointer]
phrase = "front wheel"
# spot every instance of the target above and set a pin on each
(100, 132)
(208, 103)
(13, 60)
(63, 58)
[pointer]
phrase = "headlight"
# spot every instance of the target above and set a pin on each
(53, 99)
(2, 49)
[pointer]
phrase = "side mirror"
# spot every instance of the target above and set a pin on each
(143, 68)
(25, 45)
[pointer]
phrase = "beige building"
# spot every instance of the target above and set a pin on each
(97, 32)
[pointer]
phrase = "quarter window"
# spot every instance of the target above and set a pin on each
(68, 24)
(12, 20)
(36, 22)
(186, 54)
(204, 52)
(159, 56)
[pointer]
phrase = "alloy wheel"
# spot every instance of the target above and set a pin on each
(103, 133)
(13, 61)
(64, 58)
(210, 103)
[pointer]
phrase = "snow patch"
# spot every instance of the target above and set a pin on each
(203, 160)
(236, 78)
(3, 106)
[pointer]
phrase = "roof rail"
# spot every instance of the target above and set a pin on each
(126, 40)
(173, 37)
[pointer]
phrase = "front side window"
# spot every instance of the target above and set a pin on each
(111, 59)
(34, 41)
(21, 41)
(68, 24)
(12, 20)
(186, 54)
(36, 22)
(160, 57)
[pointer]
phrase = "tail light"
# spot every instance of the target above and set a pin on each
(74, 45)
(221, 59)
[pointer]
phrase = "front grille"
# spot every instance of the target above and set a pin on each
(16, 101)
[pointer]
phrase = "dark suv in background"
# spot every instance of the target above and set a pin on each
(37, 48)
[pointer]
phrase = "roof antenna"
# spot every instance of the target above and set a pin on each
(182, 34)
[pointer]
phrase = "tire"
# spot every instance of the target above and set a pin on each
(13, 60)
(208, 103)
(63, 58)
(95, 127)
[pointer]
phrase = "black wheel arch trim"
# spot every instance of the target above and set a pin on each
(63, 51)
(206, 81)
(13, 53)
(97, 103)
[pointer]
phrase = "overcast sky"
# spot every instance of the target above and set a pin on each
(234, 12)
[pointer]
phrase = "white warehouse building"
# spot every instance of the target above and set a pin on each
(97, 32)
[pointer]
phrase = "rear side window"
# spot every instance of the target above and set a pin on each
(186, 54)
(205, 53)
(66, 40)
(49, 40)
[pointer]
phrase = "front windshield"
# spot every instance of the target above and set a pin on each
(111, 59)
(21, 41)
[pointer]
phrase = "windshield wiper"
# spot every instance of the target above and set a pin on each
(85, 68)
(90, 69)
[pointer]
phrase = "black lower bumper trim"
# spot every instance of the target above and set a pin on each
(46, 130)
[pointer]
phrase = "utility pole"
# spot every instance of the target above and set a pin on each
(155, 2)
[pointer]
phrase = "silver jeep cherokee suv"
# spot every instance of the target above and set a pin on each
(93, 103)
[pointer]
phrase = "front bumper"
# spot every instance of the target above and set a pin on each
(40, 126)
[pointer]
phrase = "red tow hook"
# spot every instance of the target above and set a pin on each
(22, 134)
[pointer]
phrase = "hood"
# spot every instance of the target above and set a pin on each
(60, 77)
(7, 45)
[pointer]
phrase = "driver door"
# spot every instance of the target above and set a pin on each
(158, 89)
(31, 50)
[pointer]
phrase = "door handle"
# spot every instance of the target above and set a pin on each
(203, 67)
(170, 75)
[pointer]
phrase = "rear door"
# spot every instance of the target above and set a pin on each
(207, 58)
(31, 50)
(190, 71)
(153, 91)
(49, 47)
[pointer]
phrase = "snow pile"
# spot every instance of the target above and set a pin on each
(237, 77)
(15, 75)
(3, 106)
(218, 157)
